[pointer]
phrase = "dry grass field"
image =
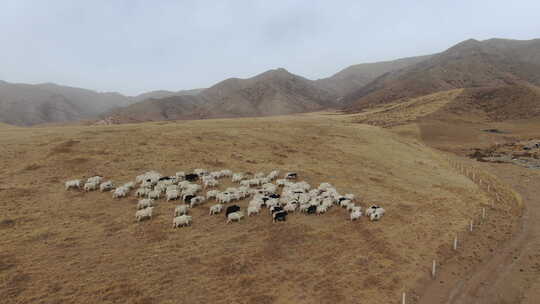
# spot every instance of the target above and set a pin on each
(71, 247)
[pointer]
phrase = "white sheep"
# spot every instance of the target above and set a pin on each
(120, 192)
(210, 183)
(129, 185)
(172, 188)
(355, 214)
(90, 186)
(212, 194)
(349, 196)
(145, 203)
(290, 207)
(376, 214)
(106, 186)
(197, 200)
(182, 220)
(76, 183)
(215, 209)
(235, 216)
(253, 210)
(181, 210)
(180, 175)
(237, 177)
(321, 209)
(224, 197)
(226, 173)
(95, 180)
(172, 195)
(273, 175)
(144, 214)
(154, 194)
(141, 192)
(345, 203)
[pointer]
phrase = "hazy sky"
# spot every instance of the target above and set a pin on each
(134, 46)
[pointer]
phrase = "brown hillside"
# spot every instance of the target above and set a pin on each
(72, 247)
(469, 64)
(356, 76)
(275, 92)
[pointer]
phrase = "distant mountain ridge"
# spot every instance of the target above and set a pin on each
(469, 64)
(31, 104)
(274, 92)
(495, 64)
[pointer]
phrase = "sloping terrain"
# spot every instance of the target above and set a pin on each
(356, 76)
(485, 104)
(274, 92)
(470, 64)
(26, 104)
(72, 247)
(164, 94)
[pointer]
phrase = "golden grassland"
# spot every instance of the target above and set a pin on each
(71, 247)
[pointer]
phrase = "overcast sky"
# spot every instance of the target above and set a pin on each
(134, 46)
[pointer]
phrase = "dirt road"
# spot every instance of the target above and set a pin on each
(511, 275)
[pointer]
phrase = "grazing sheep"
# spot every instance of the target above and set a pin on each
(235, 216)
(291, 175)
(376, 214)
(141, 192)
(76, 183)
(90, 186)
(304, 207)
(350, 207)
(345, 203)
(371, 209)
(280, 216)
(349, 196)
(355, 214)
(95, 180)
(224, 197)
(215, 209)
(180, 175)
(120, 192)
(144, 214)
(226, 173)
(181, 210)
(321, 209)
(172, 195)
(172, 188)
(237, 177)
(145, 203)
(196, 201)
(182, 220)
(106, 186)
(212, 194)
(154, 194)
(290, 207)
(273, 175)
(231, 209)
(311, 209)
(253, 210)
(129, 185)
(191, 177)
(210, 183)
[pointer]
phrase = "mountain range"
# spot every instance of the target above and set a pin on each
(485, 68)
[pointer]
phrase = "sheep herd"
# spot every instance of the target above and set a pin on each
(280, 196)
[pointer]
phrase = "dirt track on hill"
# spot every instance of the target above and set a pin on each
(510, 272)
(509, 275)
